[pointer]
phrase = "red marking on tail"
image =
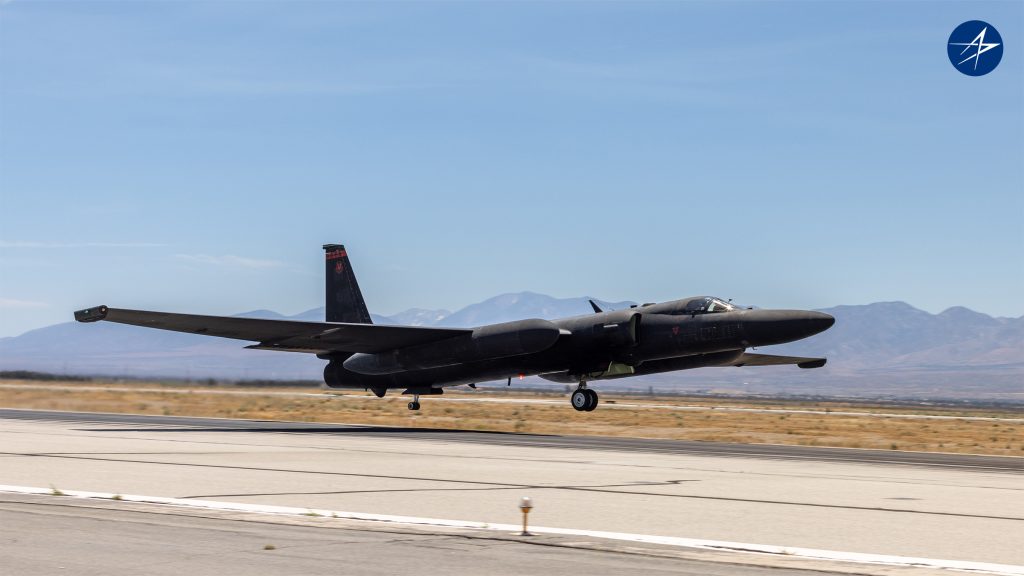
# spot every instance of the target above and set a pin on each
(336, 254)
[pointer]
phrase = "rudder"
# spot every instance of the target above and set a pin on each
(344, 300)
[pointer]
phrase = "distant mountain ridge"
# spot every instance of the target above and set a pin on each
(501, 308)
(885, 348)
(897, 334)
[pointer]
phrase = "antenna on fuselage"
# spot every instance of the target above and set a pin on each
(597, 309)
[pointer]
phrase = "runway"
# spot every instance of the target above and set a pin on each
(48, 535)
(942, 506)
(192, 424)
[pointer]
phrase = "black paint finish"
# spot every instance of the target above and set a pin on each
(681, 334)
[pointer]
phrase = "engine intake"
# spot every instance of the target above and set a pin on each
(621, 334)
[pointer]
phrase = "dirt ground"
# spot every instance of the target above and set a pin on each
(770, 421)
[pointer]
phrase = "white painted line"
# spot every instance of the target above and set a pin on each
(791, 552)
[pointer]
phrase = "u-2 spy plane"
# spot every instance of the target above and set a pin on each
(646, 339)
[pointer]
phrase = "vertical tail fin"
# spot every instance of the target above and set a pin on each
(344, 300)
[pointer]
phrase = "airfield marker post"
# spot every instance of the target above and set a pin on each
(525, 504)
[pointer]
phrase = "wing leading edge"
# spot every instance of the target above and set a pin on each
(287, 335)
(769, 360)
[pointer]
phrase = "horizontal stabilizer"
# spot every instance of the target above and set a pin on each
(289, 335)
(769, 360)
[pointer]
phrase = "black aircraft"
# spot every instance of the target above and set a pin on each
(648, 339)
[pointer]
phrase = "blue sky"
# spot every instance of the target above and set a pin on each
(193, 156)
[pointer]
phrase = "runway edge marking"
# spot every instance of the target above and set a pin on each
(716, 545)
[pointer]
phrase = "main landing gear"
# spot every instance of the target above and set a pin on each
(415, 404)
(583, 399)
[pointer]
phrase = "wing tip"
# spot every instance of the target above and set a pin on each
(816, 363)
(93, 314)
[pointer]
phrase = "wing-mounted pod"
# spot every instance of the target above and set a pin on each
(335, 376)
(485, 343)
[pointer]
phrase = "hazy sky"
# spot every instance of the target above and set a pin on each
(193, 156)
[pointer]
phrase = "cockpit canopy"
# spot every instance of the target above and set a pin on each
(692, 306)
(707, 305)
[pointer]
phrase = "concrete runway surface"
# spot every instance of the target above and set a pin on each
(949, 507)
(46, 535)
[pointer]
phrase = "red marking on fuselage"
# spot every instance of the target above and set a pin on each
(675, 330)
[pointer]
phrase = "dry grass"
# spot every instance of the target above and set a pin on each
(657, 418)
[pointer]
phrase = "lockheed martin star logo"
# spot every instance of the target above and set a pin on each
(968, 42)
(980, 44)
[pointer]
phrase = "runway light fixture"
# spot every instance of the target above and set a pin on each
(525, 504)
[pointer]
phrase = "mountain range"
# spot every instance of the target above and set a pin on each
(885, 349)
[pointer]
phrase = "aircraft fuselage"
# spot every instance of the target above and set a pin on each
(643, 340)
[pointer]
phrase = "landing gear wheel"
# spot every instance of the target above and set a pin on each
(591, 400)
(415, 404)
(580, 399)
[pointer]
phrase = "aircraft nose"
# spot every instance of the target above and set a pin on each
(820, 321)
(764, 327)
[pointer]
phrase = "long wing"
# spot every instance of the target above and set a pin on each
(288, 335)
(769, 360)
